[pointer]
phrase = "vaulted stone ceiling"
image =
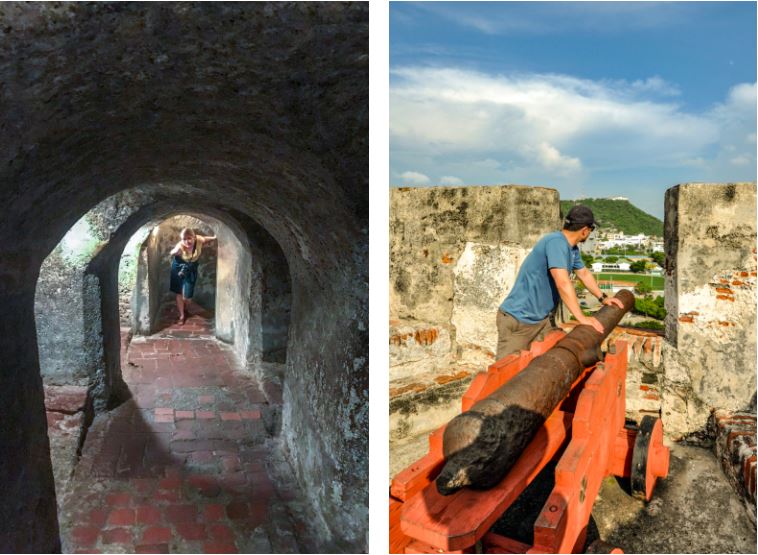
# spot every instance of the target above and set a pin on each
(259, 108)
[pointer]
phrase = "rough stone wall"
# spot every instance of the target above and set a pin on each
(60, 298)
(252, 109)
(67, 414)
(709, 354)
(154, 294)
(128, 270)
(238, 303)
(454, 255)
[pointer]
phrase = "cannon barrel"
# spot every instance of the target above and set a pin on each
(481, 444)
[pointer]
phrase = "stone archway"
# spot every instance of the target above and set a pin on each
(200, 108)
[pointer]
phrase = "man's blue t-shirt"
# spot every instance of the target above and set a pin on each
(534, 295)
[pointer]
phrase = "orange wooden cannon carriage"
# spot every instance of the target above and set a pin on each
(588, 428)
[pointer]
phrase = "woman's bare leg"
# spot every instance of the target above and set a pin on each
(180, 307)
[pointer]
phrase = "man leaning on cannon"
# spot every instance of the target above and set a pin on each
(526, 313)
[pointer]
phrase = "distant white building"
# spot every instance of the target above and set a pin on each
(606, 267)
(621, 240)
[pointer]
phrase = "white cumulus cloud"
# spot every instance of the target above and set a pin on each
(544, 128)
(551, 158)
(415, 177)
(451, 180)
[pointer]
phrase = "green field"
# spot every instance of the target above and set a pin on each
(656, 282)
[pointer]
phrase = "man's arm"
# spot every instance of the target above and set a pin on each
(586, 277)
(568, 296)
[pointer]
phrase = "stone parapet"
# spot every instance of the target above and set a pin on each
(455, 253)
(710, 293)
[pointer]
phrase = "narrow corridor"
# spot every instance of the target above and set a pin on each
(190, 464)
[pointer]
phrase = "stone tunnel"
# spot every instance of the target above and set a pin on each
(254, 117)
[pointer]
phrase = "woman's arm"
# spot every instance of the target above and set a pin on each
(206, 239)
(176, 250)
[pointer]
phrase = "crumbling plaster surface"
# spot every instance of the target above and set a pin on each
(259, 109)
(709, 354)
(454, 253)
(483, 276)
(128, 270)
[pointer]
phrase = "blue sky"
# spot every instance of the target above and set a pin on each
(595, 99)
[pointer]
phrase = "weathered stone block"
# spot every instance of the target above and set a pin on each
(418, 347)
(709, 355)
(65, 398)
(483, 276)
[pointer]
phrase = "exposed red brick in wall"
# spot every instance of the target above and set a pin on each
(426, 337)
(422, 337)
(447, 378)
(735, 447)
(414, 387)
(64, 405)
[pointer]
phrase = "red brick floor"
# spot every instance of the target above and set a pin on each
(183, 466)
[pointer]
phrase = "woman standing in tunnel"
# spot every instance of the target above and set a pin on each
(184, 257)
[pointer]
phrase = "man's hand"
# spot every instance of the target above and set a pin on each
(613, 301)
(594, 322)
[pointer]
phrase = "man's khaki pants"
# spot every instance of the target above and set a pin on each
(514, 336)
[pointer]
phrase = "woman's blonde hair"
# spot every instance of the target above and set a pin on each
(188, 231)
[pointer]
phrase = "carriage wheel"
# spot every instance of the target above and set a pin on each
(650, 458)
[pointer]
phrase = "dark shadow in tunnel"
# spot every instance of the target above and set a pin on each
(125, 446)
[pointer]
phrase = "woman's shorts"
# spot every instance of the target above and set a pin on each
(183, 284)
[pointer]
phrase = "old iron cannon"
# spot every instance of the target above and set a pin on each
(483, 443)
(577, 404)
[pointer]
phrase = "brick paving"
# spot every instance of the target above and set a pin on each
(186, 465)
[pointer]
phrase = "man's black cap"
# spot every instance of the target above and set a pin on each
(581, 215)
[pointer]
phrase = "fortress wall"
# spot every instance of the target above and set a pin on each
(709, 353)
(454, 255)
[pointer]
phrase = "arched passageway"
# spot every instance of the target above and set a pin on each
(252, 114)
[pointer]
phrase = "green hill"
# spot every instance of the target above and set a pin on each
(620, 214)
